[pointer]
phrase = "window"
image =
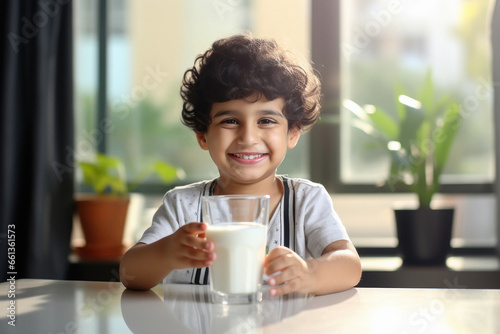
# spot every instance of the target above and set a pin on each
(149, 46)
(384, 43)
(362, 50)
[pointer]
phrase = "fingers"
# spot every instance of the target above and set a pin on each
(194, 228)
(190, 248)
(287, 281)
(194, 257)
(289, 287)
(285, 275)
(278, 260)
(197, 260)
(289, 272)
(193, 235)
(278, 251)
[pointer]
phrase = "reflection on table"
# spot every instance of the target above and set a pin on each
(187, 309)
(46, 306)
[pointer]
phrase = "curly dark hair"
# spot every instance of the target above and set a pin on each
(240, 66)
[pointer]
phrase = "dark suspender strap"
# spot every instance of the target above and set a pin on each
(197, 274)
(286, 214)
(292, 218)
(205, 277)
(212, 187)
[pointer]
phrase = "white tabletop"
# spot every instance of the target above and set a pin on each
(47, 306)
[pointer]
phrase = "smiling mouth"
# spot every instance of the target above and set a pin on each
(247, 156)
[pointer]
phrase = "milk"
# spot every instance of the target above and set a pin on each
(240, 249)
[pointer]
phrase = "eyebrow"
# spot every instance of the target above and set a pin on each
(263, 112)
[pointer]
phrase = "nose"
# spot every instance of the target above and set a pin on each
(248, 134)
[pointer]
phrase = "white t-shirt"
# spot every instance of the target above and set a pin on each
(304, 221)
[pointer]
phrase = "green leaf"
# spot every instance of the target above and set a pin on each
(111, 183)
(426, 95)
(166, 172)
(375, 122)
(445, 136)
(440, 107)
(89, 172)
(384, 123)
(355, 109)
(426, 133)
(106, 174)
(400, 108)
(409, 127)
(423, 144)
(400, 164)
(109, 163)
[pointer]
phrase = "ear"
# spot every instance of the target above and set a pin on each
(202, 140)
(293, 137)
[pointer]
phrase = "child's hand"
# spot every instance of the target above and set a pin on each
(188, 248)
(294, 271)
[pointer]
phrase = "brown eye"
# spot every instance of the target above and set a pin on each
(229, 121)
(267, 121)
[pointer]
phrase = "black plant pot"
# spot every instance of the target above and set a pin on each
(424, 235)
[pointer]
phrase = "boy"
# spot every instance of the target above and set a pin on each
(248, 100)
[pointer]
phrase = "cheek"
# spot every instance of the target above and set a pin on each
(218, 145)
(278, 142)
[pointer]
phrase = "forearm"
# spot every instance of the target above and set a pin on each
(144, 266)
(338, 269)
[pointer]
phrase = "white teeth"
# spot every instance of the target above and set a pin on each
(248, 157)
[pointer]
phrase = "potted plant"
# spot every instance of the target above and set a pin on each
(103, 214)
(418, 141)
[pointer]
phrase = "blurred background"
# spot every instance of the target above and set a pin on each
(127, 62)
(380, 44)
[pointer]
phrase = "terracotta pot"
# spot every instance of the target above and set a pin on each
(103, 222)
(424, 235)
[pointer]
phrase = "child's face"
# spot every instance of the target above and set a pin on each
(248, 140)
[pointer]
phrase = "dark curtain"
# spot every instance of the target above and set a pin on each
(36, 101)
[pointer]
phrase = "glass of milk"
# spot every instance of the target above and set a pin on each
(237, 225)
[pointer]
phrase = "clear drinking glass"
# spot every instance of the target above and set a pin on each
(237, 225)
